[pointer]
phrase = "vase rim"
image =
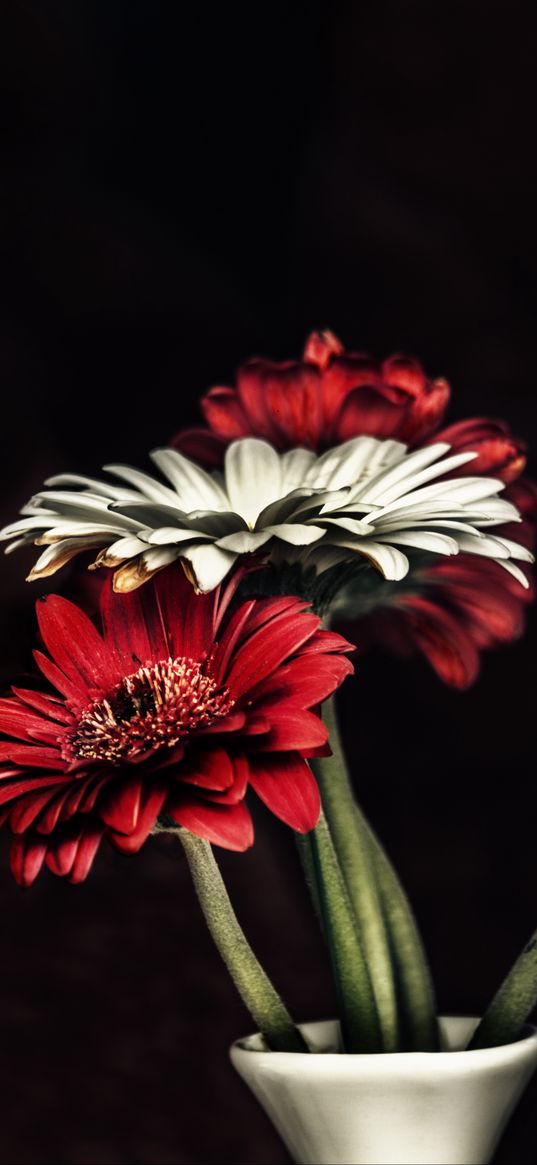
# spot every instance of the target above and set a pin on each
(452, 1026)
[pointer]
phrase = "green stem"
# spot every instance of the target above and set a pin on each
(390, 937)
(357, 1009)
(305, 852)
(512, 1004)
(254, 986)
(415, 987)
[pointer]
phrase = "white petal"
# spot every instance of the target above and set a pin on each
(244, 541)
(137, 571)
(352, 525)
(392, 563)
(406, 466)
(23, 526)
(516, 550)
(400, 517)
(63, 529)
(346, 464)
(493, 512)
(123, 548)
(15, 545)
(387, 525)
(173, 535)
(102, 488)
(485, 547)
(423, 540)
(296, 533)
(195, 488)
(208, 566)
(295, 465)
(57, 555)
(253, 477)
(461, 491)
(84, 508)
(516, 572)
(397, 482)
(471, 489)
(148, 486)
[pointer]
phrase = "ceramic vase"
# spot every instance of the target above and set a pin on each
(405, 1108)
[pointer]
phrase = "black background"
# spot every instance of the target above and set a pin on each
(180, 192)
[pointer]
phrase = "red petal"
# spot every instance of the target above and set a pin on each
(299, 683)
(190, 619)
(27, 809)
(47, 705)
(26, 858)
(152, 801)
(224, 413)
(62, 851)
(447, 645)
(74, 644)
(133, 627)
(287, 786)
(76, 695)
(425, 413)
(51, 815)
(10, 790)
(294, 728)
(209, 770)
(321, 347)
(344, 374)
(237, 626)
(234, 793)
(251, 393)
(120, 808)
(200, 445)
(499, 453)
(31, 755)
(18, 720)
(228, 825)
(86, 850)
(267, 648)
(367, 412)
(327, 641)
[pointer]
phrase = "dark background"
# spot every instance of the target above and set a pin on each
(181, 192)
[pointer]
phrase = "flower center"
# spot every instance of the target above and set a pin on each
(155, 707)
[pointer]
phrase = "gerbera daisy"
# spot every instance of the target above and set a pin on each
(317, 402)
(165, 718)
(450, 610)
(364, 500)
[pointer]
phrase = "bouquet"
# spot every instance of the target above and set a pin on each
(317, 491)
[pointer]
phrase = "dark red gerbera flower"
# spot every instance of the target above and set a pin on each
(325, 398)
(449, 610)
(452, 609)
(175, 709)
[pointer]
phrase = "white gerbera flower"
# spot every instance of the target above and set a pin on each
(366, 497)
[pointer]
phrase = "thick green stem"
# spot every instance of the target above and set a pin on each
(307, 861)
(356, 863)
(512, 1004)
(254, 986)
(390, 937)
(357, 1008)
(417, 1004)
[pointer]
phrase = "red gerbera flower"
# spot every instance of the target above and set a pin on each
(452, 610)
(326, 398)
(175, 709)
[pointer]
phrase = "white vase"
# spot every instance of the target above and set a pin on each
(403, 1108)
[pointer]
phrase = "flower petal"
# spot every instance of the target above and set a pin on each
(26, 858)
(287, 786)
(253, 477)
(74, 644)
(227, 825)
